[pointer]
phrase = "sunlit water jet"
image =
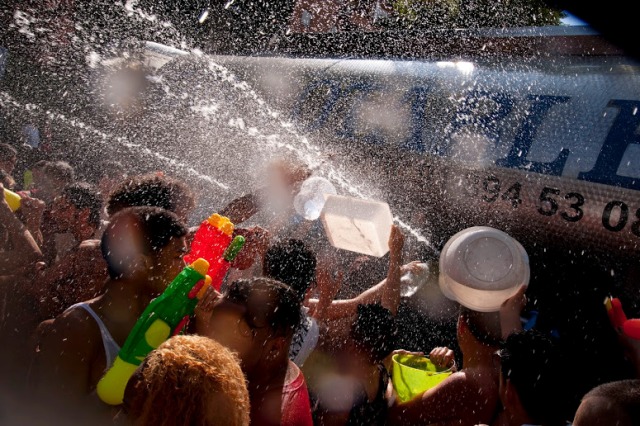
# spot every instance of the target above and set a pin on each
(7, 101)
(266, 128)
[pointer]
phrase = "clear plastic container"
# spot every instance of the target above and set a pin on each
(361, 226)
(312, 195)
(481, 267)
(411, 281)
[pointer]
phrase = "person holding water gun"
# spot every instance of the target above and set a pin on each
(144, 249)
(211, 252)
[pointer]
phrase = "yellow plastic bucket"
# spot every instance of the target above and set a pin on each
(412, 375)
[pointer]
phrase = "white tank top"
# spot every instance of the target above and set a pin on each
(111, 348)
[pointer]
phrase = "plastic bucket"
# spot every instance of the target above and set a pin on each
(481, 267)
(412, 375)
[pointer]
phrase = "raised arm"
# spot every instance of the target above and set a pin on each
(510, 311)
(242, 208)
(387, 291)
(391, 289)
(24, 250)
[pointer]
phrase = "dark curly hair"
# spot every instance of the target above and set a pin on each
(151, 190)
(374, 331)
(292, 263)
(84, 196)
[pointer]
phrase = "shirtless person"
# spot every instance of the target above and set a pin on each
(469, 396)
(143, 248)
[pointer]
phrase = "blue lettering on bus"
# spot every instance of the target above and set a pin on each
(623, 132)
(517, 158)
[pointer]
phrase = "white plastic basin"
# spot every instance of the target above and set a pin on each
(361, 226)
(481, 267)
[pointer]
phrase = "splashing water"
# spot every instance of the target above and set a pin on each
(247, 130)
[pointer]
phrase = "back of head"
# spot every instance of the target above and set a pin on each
(135, 230)
(151, 190)
(7, 152)
(614, 403)
(188, 380)
(532, 364)
(278, 301)
(292, 263)
(84, 196)
(59, 171)
(483, 326)
(374, 331)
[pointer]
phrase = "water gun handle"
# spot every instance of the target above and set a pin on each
(111, 387)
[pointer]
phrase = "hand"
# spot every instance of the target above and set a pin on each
(396, 242)
(256, 244)
(32, 210)
(413, 267)
(443, 357)
(4, 206)
(406, 352)
(203, 310)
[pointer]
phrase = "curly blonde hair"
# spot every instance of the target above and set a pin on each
(188, 380)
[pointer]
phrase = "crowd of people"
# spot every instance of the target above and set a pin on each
(286, 341)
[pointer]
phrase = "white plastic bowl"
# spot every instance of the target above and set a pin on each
(481, 267)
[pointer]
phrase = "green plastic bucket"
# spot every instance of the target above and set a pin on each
(412, 375)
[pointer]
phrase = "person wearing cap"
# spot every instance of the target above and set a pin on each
(480, 267)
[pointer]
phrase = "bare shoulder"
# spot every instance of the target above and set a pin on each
(72, 329)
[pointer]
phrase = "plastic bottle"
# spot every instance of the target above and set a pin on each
(165, 316)
(411, 281)
(14, 200)
(312, 196)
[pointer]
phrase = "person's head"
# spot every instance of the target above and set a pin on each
(6, 180)
(111, 173)
(284, 177)
(77, 209)
(615, 403)
(188, 380)
(478, 329)
(374, 332)
(8, 157)
(52, 178)
(292, 263)
(256, 319)
(144, 244)
(152, 190)
(531, 378)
